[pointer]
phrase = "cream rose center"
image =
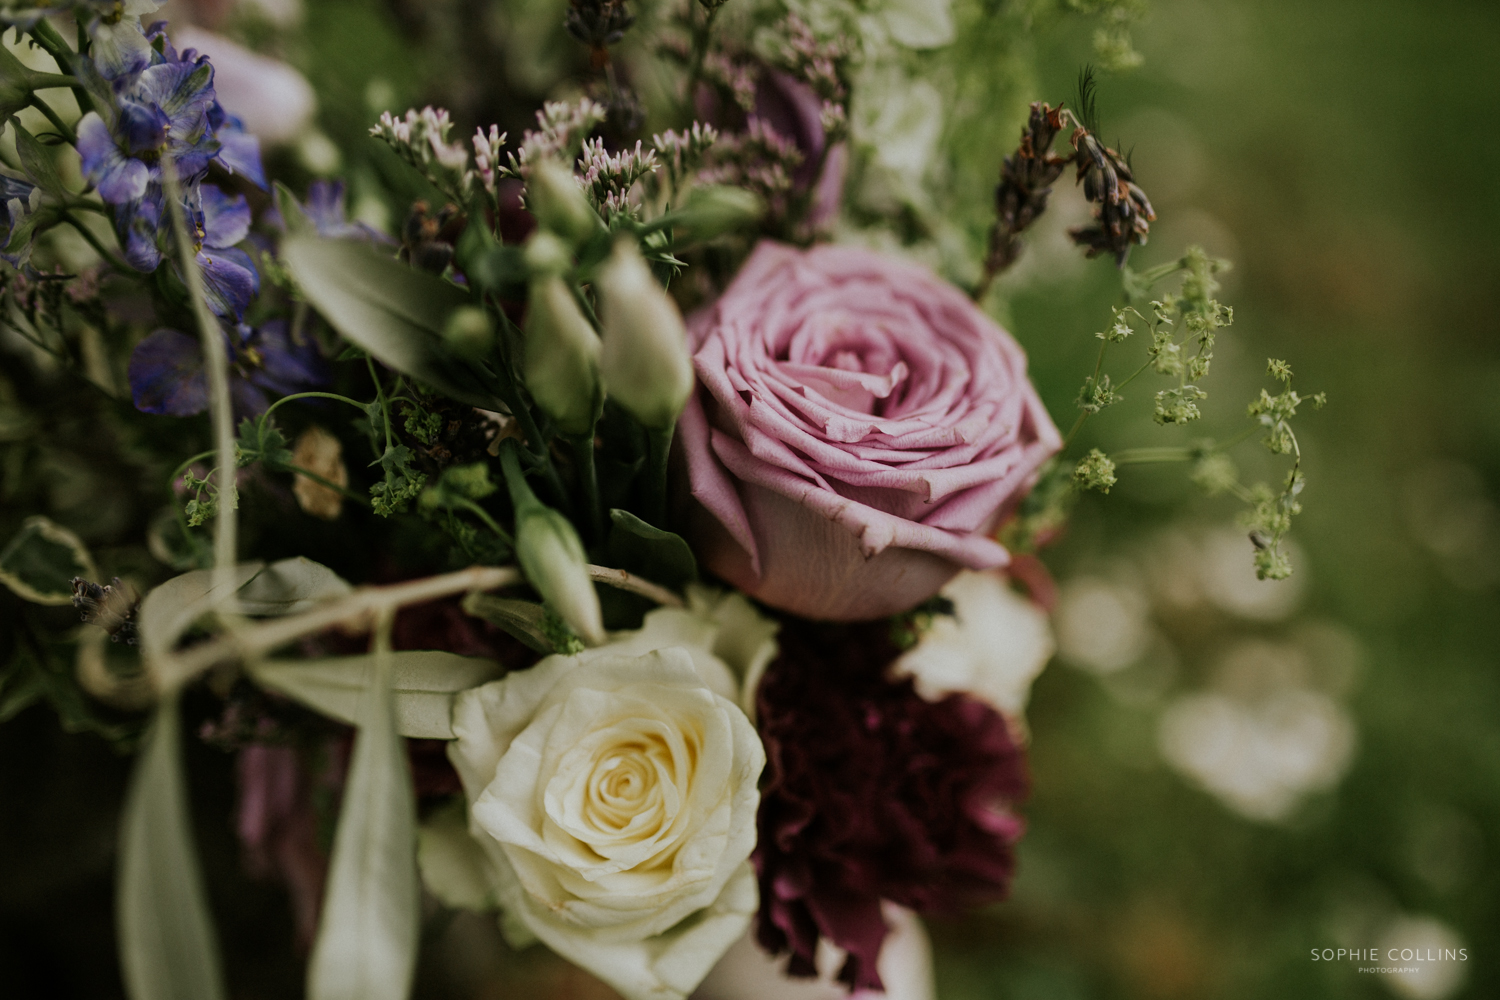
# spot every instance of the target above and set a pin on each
(621, 793)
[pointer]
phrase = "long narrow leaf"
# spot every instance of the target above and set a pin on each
(167, 946)
(367, 936)
(423, 685)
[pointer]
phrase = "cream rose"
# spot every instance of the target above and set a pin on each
(613, 794)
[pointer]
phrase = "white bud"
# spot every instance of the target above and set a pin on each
(645, 361)
(552, 558)
(562, 357)
(554, 197)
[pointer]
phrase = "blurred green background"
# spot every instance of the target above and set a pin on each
(1340, 154)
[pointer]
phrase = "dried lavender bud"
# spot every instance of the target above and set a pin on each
(598, 24)
(1026, 179)
(111, 607)
(1124, 213)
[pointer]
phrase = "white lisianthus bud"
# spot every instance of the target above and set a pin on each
(547, 254)
(469, 333)
(554, 197)
(715, 209)
(552, 558)
(645, 360)
(562, 358)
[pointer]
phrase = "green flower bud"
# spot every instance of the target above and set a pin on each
(546, 254)
(562, 358)
(716, 209)
(645, 361)
(554, 197)
(552, 558)
(469, 333)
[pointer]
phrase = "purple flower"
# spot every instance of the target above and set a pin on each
(324, 208)
(163, 110)
(18, 199)
(219, 221)
(167, 376)
(873, 793)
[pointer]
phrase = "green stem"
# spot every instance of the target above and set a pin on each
(91, 239)
(484, 515)
(700, 49)
(63, 128)
(385, 411)
(521, 495)
(306, 395)
(658, 448)
(1141, 456)
(53, 44)
(583, 447)
(216, 363)
(324, 482)
(184, 466)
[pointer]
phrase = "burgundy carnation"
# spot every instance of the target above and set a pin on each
(874, 793)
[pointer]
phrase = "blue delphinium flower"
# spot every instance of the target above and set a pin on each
(324, 208)
(167, 376)
(118, 44)
(217, 221)
(164, 110)
(18, 199)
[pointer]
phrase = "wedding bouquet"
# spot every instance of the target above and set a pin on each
(664, 528)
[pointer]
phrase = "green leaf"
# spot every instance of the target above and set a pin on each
(425, 682)
(38, 162)
(290, 587)
(170, 609)
(391, 310)
(659, 556)
(292, 212)
(168, 950)
(367, 935)
(41, 560)
(526, 620)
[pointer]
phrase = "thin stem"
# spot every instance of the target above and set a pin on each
(328, 483)
(187, 462)
(357, 611)
(701, 35)
(53, 44)
(583, 447)
(317, 395)
(658, 448)
(1141, 456)
(90, 238)
(216, 363)
(63, 128)
(385, 411)
(621, 580)
(484, 515)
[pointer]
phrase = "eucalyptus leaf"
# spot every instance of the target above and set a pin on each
(453, 865)
(170, 609)
(526, 620)
(168, 950)
(391, 310)
(367, 934)
(645, 550)
(38, 162)
(41, 560)
(424, 684)
(290, 587)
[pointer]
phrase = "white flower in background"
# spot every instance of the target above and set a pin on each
(613, 795)
(273, 100)
(1101, 626)
(992, 647)
(748, 973)
(1259, 756)
(1432, 949)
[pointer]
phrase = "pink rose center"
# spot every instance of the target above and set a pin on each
(851, 364)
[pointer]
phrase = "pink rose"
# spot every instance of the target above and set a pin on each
(860, 430)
